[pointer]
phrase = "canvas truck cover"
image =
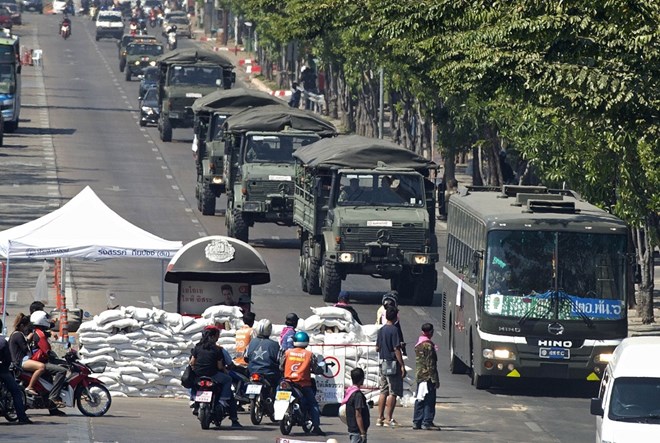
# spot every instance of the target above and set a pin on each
(357, 152)
(233, 101)
(277, 118)
(191, 56)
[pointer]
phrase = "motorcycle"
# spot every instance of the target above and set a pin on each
(88, 393)
(65, 31)
(207, 408)
(92, 12)
(133, 28)
(171, 41)
(7, 404)
(260, 393)
(288, 408)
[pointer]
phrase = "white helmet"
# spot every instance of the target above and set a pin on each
(264, 328)
(40, 318)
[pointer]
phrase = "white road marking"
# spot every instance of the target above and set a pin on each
(420, 311)
(169, 177)
(175, 187)
(188, 209)
(533, 426)
(274, 237)
(194, 220)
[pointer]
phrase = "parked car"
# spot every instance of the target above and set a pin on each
(16, 17)
(5, 18)
(149, 108)
(33, 5)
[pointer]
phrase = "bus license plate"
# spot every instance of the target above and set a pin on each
(555, 353)
(204, 397)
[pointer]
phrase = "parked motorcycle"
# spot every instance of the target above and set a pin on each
(260, 393)
(80, 389)
(65, 31)
(7, 404)
(207, 408)
(288, 408)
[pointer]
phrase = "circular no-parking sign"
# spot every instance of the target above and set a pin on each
(332, 367)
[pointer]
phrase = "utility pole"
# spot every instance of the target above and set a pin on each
(381, 98)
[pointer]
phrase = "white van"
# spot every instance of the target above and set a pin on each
(628, 405)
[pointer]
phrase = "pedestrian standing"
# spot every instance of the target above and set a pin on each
(7, 378)
(357, 409)
(391, 299)
(392, 369)
(426, 361)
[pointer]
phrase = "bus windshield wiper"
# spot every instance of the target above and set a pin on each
(561, 295)
(533, 307)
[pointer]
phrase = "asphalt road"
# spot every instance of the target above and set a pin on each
(79, 127)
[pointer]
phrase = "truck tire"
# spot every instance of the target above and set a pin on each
(404, 285)
(425, 287)
(238, 228)
(11, 126)
(122, 65)
(166, 130)
(128, 75)
(330, 282)
(207, 199)
(313, 273)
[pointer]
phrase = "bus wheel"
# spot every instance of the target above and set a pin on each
(456, 366)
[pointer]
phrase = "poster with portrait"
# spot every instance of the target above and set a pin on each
(195, 296)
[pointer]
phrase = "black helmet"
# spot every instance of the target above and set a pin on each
(291, 320)
(392, 297)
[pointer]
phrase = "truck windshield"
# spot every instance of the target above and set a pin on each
(635, 399)
(381, 190)
(7, 78)
(555, 275)
(275, 148)
(141, 49)
(195, 75)
(217, 120)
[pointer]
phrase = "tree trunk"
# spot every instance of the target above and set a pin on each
(644, 252)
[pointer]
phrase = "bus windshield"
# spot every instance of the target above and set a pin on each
(555, 275)
(7, 79)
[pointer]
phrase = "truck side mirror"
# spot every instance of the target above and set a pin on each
(597, 407)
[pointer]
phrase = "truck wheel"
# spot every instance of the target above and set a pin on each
(238, 228)
(128, 75)
(404, 285)
(166, 130)
(330, 282)
(122, 65)
(11, 126)
(425, 287)
(207, 198)
(313, 271)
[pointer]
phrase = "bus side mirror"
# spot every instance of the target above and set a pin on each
(597, 407)
(477, 256)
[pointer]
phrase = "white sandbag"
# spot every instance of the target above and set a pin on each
(158, 315)
(168, 372)
(333, 312)
(95, 334)
(99, 358)
(133, 380)
(187, 321)
(92, 342)
(226, 341)
(84, 352)
(312, 322)
(125, 323)
(151, 376)
(110, 316)
(135, 335)
(159, 328)
(341, 338)
(171, 319)
(164, 353)
(131, 390)
(228, 333)
(165, 381)
(130, 353)
(117, 394)
(222, 311)
(141, 314)
(195, 327)
(128, 370)
(370, 332)
(118, 339)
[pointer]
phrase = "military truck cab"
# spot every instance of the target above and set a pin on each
(365, 206)
(186, 75)
(259, 166)
(210, 114)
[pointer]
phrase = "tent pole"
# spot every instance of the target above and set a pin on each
(4, 300)
(162, 284)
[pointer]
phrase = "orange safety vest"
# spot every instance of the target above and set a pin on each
(298, 366)
(243, 337)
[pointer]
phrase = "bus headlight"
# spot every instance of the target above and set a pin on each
(421, 259)
(498, 354)
(346, 257)
(603, 358)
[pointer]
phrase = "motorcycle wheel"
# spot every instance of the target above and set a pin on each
(307, 424)
(286, 424)
(204, 416)
(256, 410)
(8, 405)
(93, 401)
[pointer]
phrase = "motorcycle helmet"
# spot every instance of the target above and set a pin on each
(264, 328)
(291, 320)
(391, 298)
(300, 339)
(40, 318)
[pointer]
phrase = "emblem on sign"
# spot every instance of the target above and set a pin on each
(219, 251)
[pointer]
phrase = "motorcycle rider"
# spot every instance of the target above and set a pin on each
(66, 21)
(8, 379)
(262, 354)
(243, 338)
(298, 364)
(41, 324)
(170, 33)
(286, 336)
(21, 353)
(208, 360)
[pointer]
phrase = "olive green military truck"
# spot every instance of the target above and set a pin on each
(258, 164)
(210, 113)
(185, 76)
(365, 206)
(140, 56)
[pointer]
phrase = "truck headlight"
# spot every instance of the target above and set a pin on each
(251, 206)
(137, 63)
(152, 63)
(346, 257)
(421, 259)
(217, 180)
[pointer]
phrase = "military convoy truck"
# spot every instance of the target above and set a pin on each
(185, 76)
(210, 113)
(258, 166)
(139, 56)
(365, 206)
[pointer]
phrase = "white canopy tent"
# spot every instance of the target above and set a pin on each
(84, 228)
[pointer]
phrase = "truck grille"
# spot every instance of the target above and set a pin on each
(409, 239)
(258, 190)
(180, 103)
